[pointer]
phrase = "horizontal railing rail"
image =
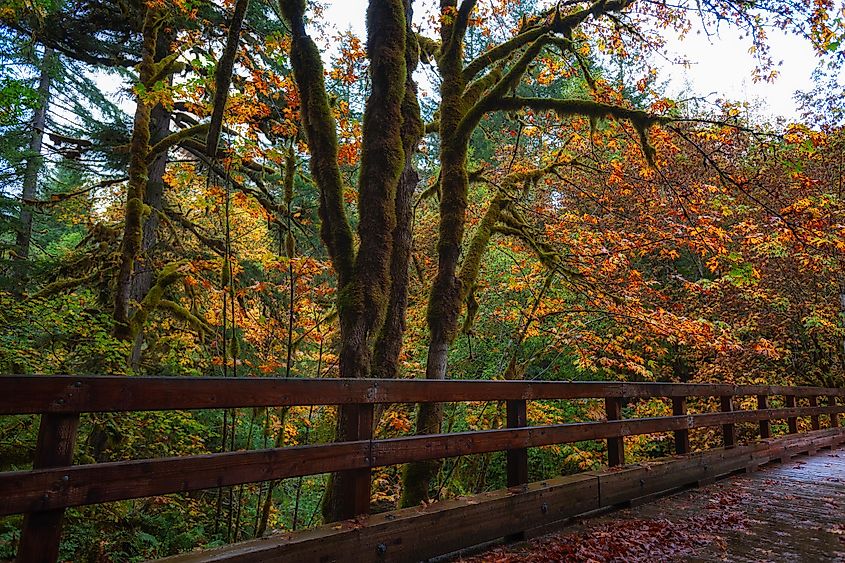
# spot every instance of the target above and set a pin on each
(74, 394)
(54, 484)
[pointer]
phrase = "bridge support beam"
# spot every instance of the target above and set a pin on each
(679, 408)
(615, 446)
(792, 421)
(765, 425)
(517, 459)
(42, 531)
(814, 420)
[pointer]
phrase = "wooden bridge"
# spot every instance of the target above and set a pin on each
(403, 535)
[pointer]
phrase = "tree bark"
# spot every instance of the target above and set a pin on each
(142, 279)
(33, 161)
(363, 277)
(388, 345)
(444, 303)
(136, 186)
(223, 76)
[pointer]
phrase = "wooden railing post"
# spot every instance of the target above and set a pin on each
(728, 430)
(357, 485)
(834, 417)
(615, 446)
(517, 415)
(792, 421)
(814, 419)
(765, 425)
(679, 408)
(42, 531)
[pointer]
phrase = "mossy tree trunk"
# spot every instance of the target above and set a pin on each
(142, 279)
(469, 91)
(388, 345)
(364, 276)
(138, 175)
(146, 161)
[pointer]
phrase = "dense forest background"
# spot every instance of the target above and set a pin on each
(485, 190)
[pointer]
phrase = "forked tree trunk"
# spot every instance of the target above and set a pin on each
(363, 276)
(444, 304)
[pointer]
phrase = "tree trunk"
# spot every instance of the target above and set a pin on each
(33, 161)
(142, 279)
(388, 345)
(445, 301)
(136, 186)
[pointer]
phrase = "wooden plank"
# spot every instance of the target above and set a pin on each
(679, 408)
(355, 499)
(834, 418)
(765, 427)
(70, 394)
(43, 489)
(615, 445)
(517, 458)
(412, 534)
(652, 478)
(46, 489)
(420, 533)
(42, 531)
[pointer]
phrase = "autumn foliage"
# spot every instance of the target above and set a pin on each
(473, 192)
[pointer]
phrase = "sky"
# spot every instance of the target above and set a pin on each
(721, 67)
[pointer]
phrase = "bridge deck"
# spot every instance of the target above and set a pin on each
(786, 512)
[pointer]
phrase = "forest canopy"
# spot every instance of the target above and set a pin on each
(492, 189)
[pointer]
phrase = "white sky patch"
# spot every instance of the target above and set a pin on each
(721, 66)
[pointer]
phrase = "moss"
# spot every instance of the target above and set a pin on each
(169, 275)
(321, 132)
(181, 313)
(382, 157)
(641, 120)
(416, 482)
(59, 286)
(478, 245)
(174, 139)
(136, 185)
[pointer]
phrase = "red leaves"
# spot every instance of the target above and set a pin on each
(630, 539)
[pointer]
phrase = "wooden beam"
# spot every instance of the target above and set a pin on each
(792, 421)
(679, 408)
(45, 489)
(57, 394)
(729, 429)
(814, 420)
(615, 445)
(517, 458)
(42, 530)
(765, 426)
(355, 500)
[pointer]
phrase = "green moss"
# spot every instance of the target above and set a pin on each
(169, 275)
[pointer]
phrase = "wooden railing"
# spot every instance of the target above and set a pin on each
(54, 484)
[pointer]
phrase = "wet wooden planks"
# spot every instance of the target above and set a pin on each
(791, 511)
